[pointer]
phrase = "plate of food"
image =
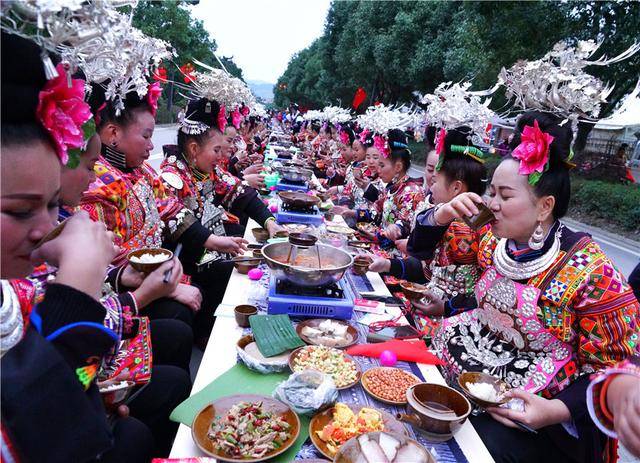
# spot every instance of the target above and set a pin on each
(327, 332)
(245, 427)
(331, 428)
(297, 228)
(388, 384)
(343, 368)
(483, 389)
(340, 229)
(382, 447)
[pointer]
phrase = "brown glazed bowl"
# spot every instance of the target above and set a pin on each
(413, 291)
(242, 314)
(436, 410)
(246, 265)
(260, 234)
(148, 268)
(361, 264)
(475, 377)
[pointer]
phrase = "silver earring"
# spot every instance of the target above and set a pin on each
(536, 242)
(114, 143)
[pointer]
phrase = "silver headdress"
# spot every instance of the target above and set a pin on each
(557, 82)
(59, 26)
(452, 105)
(380, 119)
(313, 115)
(90, 35)
(219, 85)
(335, 115)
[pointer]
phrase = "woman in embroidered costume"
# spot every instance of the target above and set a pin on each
(449, 268)
(394, 211)
(158, 349)
(552, 308)
(50, 350)
(190, 172)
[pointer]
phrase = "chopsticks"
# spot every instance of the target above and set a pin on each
(241, 259)
(176, 253)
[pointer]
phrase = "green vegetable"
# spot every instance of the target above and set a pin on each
(274, 334)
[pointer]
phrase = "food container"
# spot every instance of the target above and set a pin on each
(244, 266)
(317, 265)
(484, 217)
(436, 410)
(260, 234)
(361, 265)
(242, 314)
(149, 267)
(477, 377)
(413, 291)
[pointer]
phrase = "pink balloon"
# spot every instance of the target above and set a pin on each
(388, 358)
(255, 274)
(273, 208)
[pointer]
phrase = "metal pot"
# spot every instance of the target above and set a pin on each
(335, 263)
(295, 174)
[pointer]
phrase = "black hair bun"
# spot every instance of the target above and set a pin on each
(22, 79)
(203, 110)
(397, 137)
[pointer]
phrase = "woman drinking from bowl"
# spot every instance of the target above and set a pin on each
(394, 211)
(551, 306)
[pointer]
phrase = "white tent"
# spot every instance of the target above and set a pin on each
(626, 117)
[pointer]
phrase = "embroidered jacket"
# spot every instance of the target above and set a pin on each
(398, 204)
(585, 315)
(136, 207)
(220, 189)
(49, 399)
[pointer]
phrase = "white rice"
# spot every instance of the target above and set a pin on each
(483, 391)
(148, 258)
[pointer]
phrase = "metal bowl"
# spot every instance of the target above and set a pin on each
(295, 174)
(337, 260)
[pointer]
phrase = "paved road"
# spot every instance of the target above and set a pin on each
(624, 253)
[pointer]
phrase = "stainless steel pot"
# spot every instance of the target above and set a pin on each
(335, 263)
(295, 174)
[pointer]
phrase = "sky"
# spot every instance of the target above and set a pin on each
(262, 35)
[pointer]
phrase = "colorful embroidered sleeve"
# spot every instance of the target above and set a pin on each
(461, 244)
(172, 212)
(406, 202)
(608, 322)
(597, 393)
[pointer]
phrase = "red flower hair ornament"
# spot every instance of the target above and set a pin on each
(63, 113)
(533, 152)
(153, 95)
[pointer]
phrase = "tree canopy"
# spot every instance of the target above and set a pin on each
(172, 21)
(392, 49)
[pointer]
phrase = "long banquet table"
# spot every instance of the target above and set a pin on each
(220, 355)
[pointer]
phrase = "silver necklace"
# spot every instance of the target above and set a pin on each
(11, 326)
(525, 270)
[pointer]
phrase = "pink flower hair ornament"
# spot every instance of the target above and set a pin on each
(236, 118)
(64, 114)
(533, 152)
(344, 138)
(440, 136)
(381, 145)
(363, 136)
(222, 119)
(153, 95)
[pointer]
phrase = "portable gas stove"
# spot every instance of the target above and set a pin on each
(332, 301)
(288, 185)
(306, 215)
